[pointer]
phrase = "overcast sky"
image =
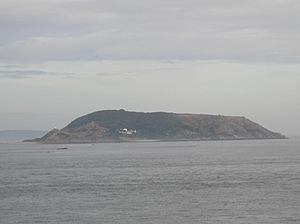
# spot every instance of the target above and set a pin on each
(63, 58)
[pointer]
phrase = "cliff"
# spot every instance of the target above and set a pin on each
(121, 125)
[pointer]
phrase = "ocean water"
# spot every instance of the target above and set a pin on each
(155, 182)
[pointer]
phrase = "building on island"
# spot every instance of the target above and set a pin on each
(126, 131)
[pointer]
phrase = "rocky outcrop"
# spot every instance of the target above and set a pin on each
(121, 125)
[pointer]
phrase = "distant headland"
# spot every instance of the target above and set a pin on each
(124, 126)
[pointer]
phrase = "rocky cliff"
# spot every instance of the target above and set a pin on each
(121, 125)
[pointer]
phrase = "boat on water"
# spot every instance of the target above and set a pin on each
(61, 148)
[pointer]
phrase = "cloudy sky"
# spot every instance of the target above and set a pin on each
(63, 58)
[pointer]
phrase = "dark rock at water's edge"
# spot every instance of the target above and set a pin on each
(121, 126)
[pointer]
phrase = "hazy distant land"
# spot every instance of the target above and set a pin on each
(121, 125)
(19, 135)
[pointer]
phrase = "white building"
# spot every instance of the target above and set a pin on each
(126, 131)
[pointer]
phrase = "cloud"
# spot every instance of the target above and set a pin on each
(22, 74)
(249, 31)
(108, 74)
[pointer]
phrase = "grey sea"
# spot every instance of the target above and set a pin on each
(151, 182)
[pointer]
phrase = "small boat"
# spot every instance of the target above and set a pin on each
(61, 148)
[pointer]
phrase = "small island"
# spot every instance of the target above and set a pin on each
(126, 126)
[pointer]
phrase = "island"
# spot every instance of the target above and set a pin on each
(127, 126)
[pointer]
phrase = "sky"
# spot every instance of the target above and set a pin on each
(60, 59)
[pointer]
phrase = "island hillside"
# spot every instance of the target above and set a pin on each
(121, 125)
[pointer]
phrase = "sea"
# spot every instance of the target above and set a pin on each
(209, 182)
